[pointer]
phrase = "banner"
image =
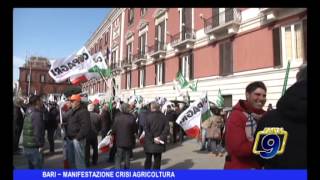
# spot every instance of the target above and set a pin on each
(190, 119)
(76, 64)
(99, 68)
(161, 174)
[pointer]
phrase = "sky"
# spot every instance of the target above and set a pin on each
(54, 33)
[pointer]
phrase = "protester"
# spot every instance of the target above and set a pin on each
(291, 115)
(92, 138)
(105, 120)
(214, 133)
(51, 124)
(156, 132)
(77, 131)
(172, 117)
(124, 128)
(18, 116)
(33, 133)
(241, 125)
(142, 119)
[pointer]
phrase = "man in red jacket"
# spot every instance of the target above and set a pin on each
(241, 125)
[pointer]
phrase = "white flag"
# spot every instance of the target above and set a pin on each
(76, 64)
(190, 119)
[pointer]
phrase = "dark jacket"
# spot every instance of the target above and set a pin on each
(291, 115)
(156, 125)
(238, 146)
(79, 123)
(33, 129)
(52, 122)
(142, 117)
(95, 125)
(105, 122)
(124, 127)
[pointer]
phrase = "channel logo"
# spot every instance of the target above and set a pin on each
(270, 142)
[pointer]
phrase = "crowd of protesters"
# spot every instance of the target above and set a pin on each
(232, 136)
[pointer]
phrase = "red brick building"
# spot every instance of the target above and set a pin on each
(221, 48)
(40, 82)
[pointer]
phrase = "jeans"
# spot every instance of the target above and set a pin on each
(123, 153)
(157, 161)
(34, 157)
(215, 146)
(75, 153)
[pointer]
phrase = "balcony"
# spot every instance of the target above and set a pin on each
(115, 67)
(270, 14)
(225, 23)
(140, 58)
(126, 63)
(158, 50)
(183, 40)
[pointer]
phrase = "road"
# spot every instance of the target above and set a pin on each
(177, 156)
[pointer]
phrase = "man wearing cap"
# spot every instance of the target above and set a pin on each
(33, 133)
(77, 130)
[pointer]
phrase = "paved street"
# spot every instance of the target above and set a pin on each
(177, 156)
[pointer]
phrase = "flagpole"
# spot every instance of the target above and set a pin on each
(29, 80)
(286, 78)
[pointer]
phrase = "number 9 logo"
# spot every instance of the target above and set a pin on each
(271, 145)
(268, 142)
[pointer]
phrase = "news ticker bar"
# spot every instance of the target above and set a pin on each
(161, 174)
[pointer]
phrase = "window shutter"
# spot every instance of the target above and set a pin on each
(139, 46)
(191, 68)
(188, 19)
(304, 26)
(155, 72)
(228, 57)
(180, 65)
(156, 38)
(221, 56)
(144, 76)
(139, 77)
(162, 34)
(163, 72)
(276, 47)
(215, 17)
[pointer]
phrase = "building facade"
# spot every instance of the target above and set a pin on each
(221, 48)
(36, 70)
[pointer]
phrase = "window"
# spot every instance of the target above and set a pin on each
(113, 57)
(226, 58)
(129, 52)
(107, 38)
(100, 45)
(160, 34)
(141, 77)
(142, 44)
(42, 80)
(186, 23)
(130, 16)
(227, 100)
(292, 36)
(143, 11)
(160, 73)
(128, 80)
(186, 66)
(28, 77)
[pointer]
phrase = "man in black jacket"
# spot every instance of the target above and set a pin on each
(124, 128)
(156, 132)
(77, 130)
(291, 115)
